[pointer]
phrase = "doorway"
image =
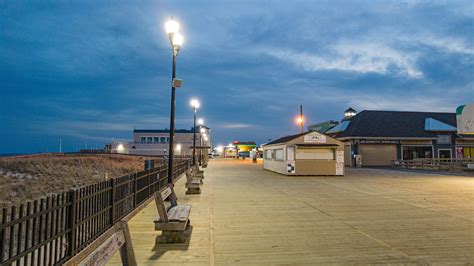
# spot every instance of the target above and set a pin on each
(444, 153)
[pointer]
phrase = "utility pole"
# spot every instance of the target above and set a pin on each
(301, 119)
(60, 145)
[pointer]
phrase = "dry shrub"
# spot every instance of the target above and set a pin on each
(23, 179)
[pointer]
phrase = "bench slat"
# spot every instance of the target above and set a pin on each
(179, 213)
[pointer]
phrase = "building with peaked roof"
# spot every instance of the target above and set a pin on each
(379, 137)
(308, 153)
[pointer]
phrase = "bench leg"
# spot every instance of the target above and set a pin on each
(172, 237)
(193, 190)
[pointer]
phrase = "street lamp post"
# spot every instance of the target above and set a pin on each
(203, 133)
(195, 105)
(176, 40)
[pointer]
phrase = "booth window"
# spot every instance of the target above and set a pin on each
(315, 154)
(268, 154)
(278, 155)
(142, 139)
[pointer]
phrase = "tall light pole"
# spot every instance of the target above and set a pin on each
(195, 105)
(176, 40)
(300, 119)
(203, 133)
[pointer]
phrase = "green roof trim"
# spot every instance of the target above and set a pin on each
(459, 109)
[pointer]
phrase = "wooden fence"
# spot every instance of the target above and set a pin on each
(51, 230)
(448, 164)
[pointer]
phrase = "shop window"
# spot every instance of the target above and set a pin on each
(417, 152)
(156, 139)
(278, 155)
(444, 154)
(142, 139)
(149, 139)
(167, 139)
(468, 152)
(163, 139)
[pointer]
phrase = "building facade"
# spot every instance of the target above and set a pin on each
(376, 138)
(155, 142)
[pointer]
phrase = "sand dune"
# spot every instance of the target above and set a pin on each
(23, 179)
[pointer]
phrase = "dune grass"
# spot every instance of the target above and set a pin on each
(23, 179)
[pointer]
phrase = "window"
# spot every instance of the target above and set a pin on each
(315, 154)
(149, 139)
(416, 152)
(163, 139)
(167, 139)
(142, 139)
(156, 139)
(268, 154)
(278, 155)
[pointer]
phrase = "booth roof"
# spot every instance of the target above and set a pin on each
(286, 139)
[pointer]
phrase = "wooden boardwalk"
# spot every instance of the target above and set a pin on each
(246, 215)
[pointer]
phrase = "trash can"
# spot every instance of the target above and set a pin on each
(149, 164)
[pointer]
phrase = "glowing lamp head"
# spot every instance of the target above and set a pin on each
(120, 148)
(172, 26)
(203, 130)
(205, 138)
(178, 147)
(177, 40)
(195, 103)
(299, 120)
(201, 121)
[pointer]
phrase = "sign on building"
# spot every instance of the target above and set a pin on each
(314, 137)
(465, 119)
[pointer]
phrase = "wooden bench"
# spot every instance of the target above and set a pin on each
(193, 184)
(173, 220)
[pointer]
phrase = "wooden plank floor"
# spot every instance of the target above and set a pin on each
(246, 215)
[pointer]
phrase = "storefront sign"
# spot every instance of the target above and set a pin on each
(340, 157)
(377, 141)
(290, 167)
(314, 137)
(465, 119)
(459, 152)
(339, 168)
(444, 139)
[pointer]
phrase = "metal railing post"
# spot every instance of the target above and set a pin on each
(72, 196)
(112, 205)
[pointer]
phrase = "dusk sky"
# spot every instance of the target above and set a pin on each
(93, 70)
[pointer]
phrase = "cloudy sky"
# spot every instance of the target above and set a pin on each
(93, 70)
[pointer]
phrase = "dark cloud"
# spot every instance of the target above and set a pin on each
(90, 70)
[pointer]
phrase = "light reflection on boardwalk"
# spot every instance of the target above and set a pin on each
(251, 216)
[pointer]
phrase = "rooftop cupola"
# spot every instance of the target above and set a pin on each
(349, 113)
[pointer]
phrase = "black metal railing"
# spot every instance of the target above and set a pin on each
(51, 230)
(438, 164)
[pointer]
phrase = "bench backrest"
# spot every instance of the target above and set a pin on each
(160, 198)
(165, 193)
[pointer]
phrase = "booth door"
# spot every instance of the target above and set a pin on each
(377, 154)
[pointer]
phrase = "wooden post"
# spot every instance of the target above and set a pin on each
(127, 254)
